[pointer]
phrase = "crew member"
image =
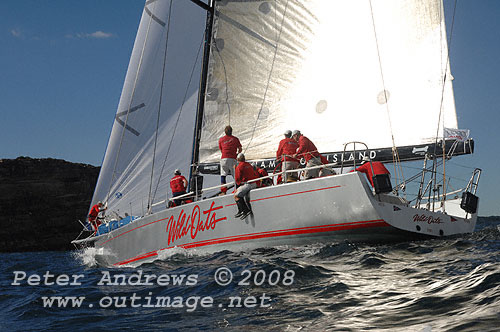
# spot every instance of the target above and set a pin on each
(229, 146)
(286, 149)
(244, 173)
(378, 168)
(178, 184)
(309, 152)
(94, 219)
(263, 173)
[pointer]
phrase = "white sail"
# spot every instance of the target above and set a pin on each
(337, 70)
(153, 128)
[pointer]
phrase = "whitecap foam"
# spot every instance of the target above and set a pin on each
(86, 256)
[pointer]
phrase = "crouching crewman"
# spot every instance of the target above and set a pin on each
(244, 173)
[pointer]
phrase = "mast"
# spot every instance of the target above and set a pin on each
(193, 172)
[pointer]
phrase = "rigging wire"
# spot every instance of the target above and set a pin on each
(442, 89)
(178, 118)
(130, 102)
(149, 206)
(445, 70)
(395, 154)
(269, 77)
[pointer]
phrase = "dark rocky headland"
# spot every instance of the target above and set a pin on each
(41, 201)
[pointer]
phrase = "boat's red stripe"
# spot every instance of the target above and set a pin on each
(137, 258)
(281, 233)
(269, 234)
(133, 229)
(301, 230)
(296, 193)
(255, 200)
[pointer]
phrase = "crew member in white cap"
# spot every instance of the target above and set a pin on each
(286, 150)
(309, 152)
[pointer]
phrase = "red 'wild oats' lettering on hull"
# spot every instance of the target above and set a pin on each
(192, 224)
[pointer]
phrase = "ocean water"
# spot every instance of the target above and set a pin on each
(448, 284)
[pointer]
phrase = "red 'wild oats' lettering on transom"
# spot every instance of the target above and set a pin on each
(427, 219)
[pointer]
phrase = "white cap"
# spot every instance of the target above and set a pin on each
(288, 133)
(296, 132)
(177, 172)
(240, 156)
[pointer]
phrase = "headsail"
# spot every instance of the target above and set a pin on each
(339, 71)
(152, 131)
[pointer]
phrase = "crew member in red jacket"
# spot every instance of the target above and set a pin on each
(93, 215)
(378, 168)
(178, 184)
(229, 146)
(244, 173)
(286, 149)
(309, 152)
(263, 173)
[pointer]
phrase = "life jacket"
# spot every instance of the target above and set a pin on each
(94, 212)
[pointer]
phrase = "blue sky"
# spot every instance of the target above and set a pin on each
(63, 62)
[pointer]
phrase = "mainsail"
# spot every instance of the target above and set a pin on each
(152, 131)
(375, 71)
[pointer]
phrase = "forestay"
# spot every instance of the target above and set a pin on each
(337, 70)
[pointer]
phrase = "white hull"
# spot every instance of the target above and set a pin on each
(326, 209)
